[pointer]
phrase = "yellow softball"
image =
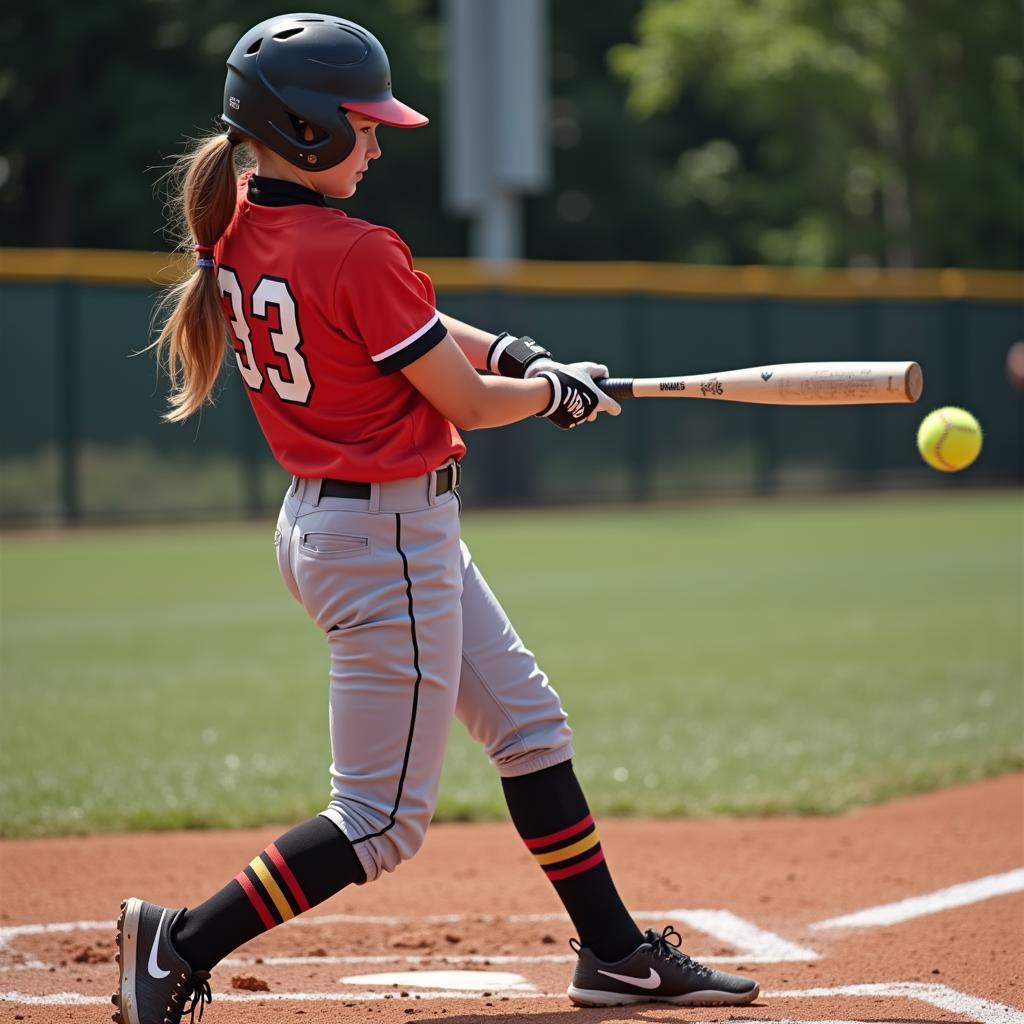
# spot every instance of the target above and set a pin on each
(949, 439)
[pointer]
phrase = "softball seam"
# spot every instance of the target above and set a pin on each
(950, 427)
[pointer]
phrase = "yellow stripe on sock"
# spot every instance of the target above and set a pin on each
(569, 851)
(273, 889)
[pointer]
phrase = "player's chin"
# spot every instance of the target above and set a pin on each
(344, 191)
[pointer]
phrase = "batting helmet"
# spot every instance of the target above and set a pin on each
(300, 70)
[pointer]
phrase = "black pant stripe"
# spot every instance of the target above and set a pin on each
(415, 690)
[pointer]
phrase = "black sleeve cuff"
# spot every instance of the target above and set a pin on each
(399, 360)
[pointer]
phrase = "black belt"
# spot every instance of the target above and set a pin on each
(448, 478)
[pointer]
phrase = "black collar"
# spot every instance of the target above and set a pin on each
(276, 192)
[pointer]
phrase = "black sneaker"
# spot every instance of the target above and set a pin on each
(656, 972)
(157, 986)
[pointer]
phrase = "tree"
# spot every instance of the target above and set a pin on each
(876, 132)
(99, 97)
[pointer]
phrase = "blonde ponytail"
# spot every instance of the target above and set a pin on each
(191, 343)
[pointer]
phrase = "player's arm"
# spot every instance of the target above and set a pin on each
(502, 354)
(384, 296)
(508, 356)
(474, 342)
(446, 378)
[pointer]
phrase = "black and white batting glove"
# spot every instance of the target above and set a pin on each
(524, 358)
(595, 371)
(575, 398)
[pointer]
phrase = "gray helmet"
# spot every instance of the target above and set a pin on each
(300, 70)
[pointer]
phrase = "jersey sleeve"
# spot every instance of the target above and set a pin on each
(390, 304)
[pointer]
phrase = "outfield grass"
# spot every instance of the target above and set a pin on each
(761, 657)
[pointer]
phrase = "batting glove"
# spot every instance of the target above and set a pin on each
(575, 398)
(595, 371)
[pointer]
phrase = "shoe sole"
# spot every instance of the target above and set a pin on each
(592, 997)
(127, 954)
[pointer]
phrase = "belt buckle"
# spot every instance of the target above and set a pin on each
(447, 478)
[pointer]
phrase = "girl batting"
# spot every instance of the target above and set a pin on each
(361, 387)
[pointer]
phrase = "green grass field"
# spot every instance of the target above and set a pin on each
(763, 657)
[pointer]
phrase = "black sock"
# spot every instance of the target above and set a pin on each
(550, 813)
(302, 868)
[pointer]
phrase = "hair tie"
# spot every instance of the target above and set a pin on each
(204, 256)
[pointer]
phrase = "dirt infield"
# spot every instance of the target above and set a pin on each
(470, 930)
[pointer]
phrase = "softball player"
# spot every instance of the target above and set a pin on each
(359, 385)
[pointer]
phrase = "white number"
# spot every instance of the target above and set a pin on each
(232, 288)
(286, 340)
(272, 291)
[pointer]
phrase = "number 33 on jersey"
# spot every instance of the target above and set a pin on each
(285, 338)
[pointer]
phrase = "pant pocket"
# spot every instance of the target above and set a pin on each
(333, 545)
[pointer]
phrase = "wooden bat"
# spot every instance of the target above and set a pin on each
(863, 383)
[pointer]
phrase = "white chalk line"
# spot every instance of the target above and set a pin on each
(9, 932)
(725, 926)
(758, 944)
(386, 919)
(961, 895)
(79, 999)
(942, 997)
(477, 959)
(489, 982)
(980, 1011)
(754, 944)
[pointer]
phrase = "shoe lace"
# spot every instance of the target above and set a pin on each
(194, 994)
(666, 945)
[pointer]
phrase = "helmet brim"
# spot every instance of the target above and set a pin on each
(392, 112)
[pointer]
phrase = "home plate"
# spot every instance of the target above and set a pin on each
(453, 981)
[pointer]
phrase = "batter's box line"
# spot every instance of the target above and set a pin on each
(942, 997)
(972, 1008)
(409, 959)
(962, 895)
(754, 945)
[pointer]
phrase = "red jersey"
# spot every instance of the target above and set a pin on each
(323, 311)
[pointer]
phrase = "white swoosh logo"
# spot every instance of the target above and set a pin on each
(154, 967)
(650, 982)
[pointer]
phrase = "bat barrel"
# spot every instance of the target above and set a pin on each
(824, 383)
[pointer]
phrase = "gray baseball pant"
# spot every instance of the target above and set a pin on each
(416, 638)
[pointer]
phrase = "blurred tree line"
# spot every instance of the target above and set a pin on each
(811, 132)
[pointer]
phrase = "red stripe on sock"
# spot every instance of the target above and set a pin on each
(576, 869)
(255, 899)
(286, 873)
(566, 833)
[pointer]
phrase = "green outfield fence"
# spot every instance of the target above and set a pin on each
(82, 437)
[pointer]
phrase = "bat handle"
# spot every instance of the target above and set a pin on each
(616, 387)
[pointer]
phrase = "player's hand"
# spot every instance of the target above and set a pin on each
(575, 398)
(595, 371)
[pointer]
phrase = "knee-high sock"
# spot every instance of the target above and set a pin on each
(551, 815)
(302, 868)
